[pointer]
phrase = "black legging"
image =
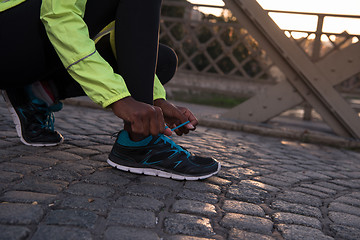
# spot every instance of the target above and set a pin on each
(28, 56)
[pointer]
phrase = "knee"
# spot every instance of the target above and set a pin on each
(171, 57)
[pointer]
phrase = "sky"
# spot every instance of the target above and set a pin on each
(306, 22)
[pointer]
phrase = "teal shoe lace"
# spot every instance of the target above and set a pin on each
(176, 147)
(46, 118)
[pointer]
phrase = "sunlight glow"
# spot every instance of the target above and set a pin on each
(304, 22)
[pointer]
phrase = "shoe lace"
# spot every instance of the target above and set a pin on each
(45, 117)
(174, 145)
(49, 121)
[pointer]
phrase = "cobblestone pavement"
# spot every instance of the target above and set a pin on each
(268, 188)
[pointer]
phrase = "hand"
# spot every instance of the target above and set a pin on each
(176, 115)
(141, 119)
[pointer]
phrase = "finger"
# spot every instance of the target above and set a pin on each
(167, 132)
(193, 120)
(138, 127)
(178, 132)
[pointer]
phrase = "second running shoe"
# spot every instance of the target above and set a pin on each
(34, 122)
(160, 156)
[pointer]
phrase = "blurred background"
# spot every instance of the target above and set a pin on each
(221, 64)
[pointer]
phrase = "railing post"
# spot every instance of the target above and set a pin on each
(314, 57)
(317, 41)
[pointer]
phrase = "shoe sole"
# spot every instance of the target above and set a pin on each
(17, 123)
(160, 173)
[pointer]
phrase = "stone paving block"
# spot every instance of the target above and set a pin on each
(76, 167)
(260, 170)
(243, 208)
(170, 183)
(8, 177)
(273, 167)
(144, 203)
(188, 225)
(157, 192)
(311, 192)
(316, 175)
(297, 232)
(90, 190)
(27, 197)
(290, 218)
(301, 198)
(124, 233)
(199, 186)
(41, 185)
(102, 157)
(298, 175)
(63, 156)
(333, 174)
(132, 218)
(305, 210)
(272, 182)
(3, 186)
(330, 185)
(319, 188)
(196, 196)
(101, 148)
(83, 202)
(45, 232)
(219, 181)
(345, 219)
(352, 174)
(194, 207)
(347, 183)
(355, 195)
(345, 208)
(71, 217)
(56, 174)
(18, 213)
(283, 178)
(183, 237)
(94, 164)
(345, 232)
(18, 167)
(237, 234)
(247, 193)
(106, 177)
(232, 174)
(83, 152)
(260, 185)
(35, 160)
(247, 223)
(353, 201)
(13, 232)
(291, 167)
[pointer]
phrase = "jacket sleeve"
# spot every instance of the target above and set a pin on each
(67, 31)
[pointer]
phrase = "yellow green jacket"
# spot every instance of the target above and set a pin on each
(67, 31)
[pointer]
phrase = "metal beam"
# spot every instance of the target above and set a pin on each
(337, 67)
(302, 74)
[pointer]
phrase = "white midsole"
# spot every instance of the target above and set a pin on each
(159, 173)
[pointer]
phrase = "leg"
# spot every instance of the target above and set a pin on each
(167, 63)
(27, 55)
(137, 30)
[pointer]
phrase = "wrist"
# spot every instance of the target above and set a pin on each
(159, 102)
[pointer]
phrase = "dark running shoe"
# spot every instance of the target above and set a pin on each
(34, 122)
(161, 157)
